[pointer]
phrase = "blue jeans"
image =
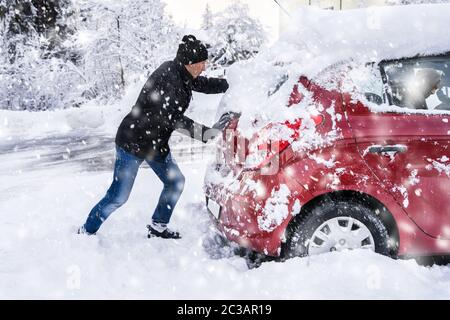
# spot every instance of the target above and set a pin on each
(125, 171)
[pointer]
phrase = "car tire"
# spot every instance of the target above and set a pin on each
(301, 230)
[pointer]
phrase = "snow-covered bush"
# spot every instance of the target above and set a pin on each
(31, 82)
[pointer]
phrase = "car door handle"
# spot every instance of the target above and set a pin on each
(388, 148)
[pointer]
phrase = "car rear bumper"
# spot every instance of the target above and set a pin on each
(236, 210)
(262, 242)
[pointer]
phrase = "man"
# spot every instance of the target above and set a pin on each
(144, 133)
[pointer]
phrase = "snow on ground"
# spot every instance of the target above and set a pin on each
(46, 193)
(42, 257)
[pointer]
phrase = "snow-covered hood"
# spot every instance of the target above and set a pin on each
(318, 39)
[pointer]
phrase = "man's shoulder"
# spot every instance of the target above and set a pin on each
(165, 66)
(166, 70)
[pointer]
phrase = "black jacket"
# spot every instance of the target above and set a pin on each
(160, 108)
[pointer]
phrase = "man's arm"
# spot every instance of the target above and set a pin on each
(210, 85)
(189, 127)
(201, 132)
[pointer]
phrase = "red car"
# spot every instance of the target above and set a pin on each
(370, 169)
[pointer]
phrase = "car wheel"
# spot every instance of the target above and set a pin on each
(336, 226)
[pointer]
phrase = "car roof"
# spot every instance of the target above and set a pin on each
(320, 38)
(444, 55)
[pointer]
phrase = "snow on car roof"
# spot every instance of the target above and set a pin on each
(316, 39)
(370, 34)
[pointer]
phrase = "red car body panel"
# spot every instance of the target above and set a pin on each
(343, 165)
(424, 199)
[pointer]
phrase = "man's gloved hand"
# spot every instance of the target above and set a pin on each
(218, 127)
(225, 120)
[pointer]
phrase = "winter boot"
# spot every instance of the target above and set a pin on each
(82, 230)
(160, 230)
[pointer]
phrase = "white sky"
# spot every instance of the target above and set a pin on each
(188, 13)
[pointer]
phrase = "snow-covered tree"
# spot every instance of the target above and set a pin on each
(70, 52)
(35, 73)
(122, 41)
(235, 35)
(207, 18)
(48, 18)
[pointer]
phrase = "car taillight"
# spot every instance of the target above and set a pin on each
(296, 96)
(265, 145)
(262, 155)
(262, 149)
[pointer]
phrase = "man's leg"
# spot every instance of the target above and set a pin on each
(125, 170)
(169, 173)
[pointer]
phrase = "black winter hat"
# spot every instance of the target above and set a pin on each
(191, 50)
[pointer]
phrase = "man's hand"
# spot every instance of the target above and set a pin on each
(225, 120)
(218, 127)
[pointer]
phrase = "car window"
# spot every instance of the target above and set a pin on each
(332, 77)
(280, 81)
(364, 81)
(419, 83)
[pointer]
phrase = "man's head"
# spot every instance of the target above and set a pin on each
(196, 69)
(193, 54)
